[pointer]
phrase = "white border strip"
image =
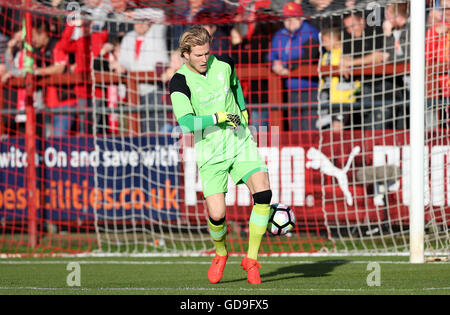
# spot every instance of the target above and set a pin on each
(224, 289)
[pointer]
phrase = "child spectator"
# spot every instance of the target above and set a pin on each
(335, 91)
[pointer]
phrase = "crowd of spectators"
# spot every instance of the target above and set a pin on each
(118, 36)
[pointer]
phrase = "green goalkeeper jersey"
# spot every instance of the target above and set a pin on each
(218, 90)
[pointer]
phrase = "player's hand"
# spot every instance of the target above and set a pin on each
(245, 114)
(229, 118)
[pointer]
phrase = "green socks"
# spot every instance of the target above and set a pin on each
(219, 233)
(257, 228)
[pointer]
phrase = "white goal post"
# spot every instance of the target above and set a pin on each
(417, 133)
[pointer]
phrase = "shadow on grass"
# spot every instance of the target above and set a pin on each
(307, 270)
(321, 268)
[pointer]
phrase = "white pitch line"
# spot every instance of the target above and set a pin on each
(224, 289)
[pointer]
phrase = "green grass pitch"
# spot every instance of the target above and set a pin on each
(188, 276)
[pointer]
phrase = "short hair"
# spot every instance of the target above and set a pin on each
(42, 25)
(332, 31)
(357, 14)
(116, 40)
(195, 36)
(400, 9)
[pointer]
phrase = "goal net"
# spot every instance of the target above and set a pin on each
(327, 89)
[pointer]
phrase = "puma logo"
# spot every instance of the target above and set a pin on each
(318, 161)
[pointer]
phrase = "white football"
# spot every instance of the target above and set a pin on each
(281, 219)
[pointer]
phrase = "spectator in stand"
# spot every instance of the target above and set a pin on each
(220, 43)
(14, 67)
(108, 59)
(397, 44)
(122, 15)
(10, 19)
(11, 64)
(82, 39)
(363, 41)
(52, 61)
(118, 23)
(194, 11)
(56, 22)
(438, 63)
(176, 61)
(364, 46)
(335, 91)
(320, 6)
(434, 12)
(295, 44)
(98, 10)
(395, 27)
(144, 49)
(107, 62)
(250, 40)
(246, 19)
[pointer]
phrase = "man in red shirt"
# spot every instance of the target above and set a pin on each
(437, 54)
(79, 41)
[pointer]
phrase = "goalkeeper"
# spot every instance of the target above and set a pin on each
(207, 100)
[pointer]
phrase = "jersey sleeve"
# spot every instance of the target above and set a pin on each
(60, 57)
(190, 123)
(180, 96)
(237, 91)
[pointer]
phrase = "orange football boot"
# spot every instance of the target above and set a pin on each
(215, 271)
(252, 267)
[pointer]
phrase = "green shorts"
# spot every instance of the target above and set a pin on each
(214, 176)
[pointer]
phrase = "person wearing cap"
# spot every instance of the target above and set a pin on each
(296, 43)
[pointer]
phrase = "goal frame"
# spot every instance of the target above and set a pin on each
(417, 137)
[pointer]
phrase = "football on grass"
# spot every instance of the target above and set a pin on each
(281, 219)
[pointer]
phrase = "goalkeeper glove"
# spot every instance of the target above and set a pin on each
(231, 119)
(245, 115)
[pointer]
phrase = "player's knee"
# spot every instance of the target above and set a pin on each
(263, 197)
(215, 220)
